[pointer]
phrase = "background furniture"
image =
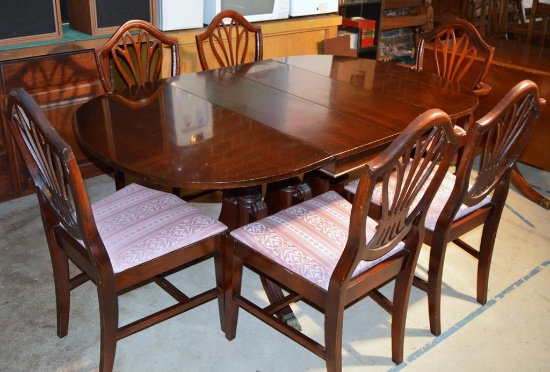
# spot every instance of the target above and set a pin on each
(231, 40)
(390, 15)
(536, 25)
(308, 251)
(42, 23)
(96, 17)
(489, 16)
(131, 238)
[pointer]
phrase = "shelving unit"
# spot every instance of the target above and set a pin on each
(389, 15)
(369, 9)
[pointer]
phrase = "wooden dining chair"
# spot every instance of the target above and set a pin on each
(495, 142)
(135, 55)
(451, 50)
(231, 40)
(328, 252)
(128, 239)
(538, 27)
(535, 26)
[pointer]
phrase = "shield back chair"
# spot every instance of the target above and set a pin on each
(132, 237)
(326, 250)
(135, 54)
(231, 40)
(495, 142)
(453, 48)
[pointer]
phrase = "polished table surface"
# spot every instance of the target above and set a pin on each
(261, 122)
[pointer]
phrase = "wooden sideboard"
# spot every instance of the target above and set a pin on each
(62, 76)
(512, 63)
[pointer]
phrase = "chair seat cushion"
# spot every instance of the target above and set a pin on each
(439, 201)
(308, 238)
(138, 224)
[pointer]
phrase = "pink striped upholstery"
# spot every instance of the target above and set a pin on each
(439, 201)
(308, 238)
(138, 224)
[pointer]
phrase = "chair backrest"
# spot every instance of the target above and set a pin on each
(228, 37)
(456, 44)
(419, 157)
(495, 142)
(137, 50)
(538, 10)
(52, 165)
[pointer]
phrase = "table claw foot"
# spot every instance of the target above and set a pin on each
(292, 321)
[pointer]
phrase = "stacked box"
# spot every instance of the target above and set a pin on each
(363, 27)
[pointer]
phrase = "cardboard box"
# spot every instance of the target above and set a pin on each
(363, 27)
(343, 45)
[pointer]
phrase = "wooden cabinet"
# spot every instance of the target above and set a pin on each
(60, 84)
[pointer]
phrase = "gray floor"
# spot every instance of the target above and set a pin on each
(509, 333)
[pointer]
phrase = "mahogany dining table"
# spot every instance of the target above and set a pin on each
(251, 124)
(241, 127)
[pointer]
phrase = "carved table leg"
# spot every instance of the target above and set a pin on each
(285, 194)
(321, 183)
(526, 190)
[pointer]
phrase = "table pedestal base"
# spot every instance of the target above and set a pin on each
(240, 207)
(526, 190)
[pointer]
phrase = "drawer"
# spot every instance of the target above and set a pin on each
(47, 73)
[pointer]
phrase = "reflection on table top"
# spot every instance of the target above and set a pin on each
(261, 122)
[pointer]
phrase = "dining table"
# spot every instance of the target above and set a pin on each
(237, 128)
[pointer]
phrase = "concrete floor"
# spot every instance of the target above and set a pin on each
(509, 333)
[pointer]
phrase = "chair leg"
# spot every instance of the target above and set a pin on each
(219, 262)
(120, 181)
(484, 263)
(401, 296)
(334, 325)
(435, 279)
(60, 265)
(486, 248)
(234, 268)
(108, 316)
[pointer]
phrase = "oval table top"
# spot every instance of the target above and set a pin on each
(261, 122)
